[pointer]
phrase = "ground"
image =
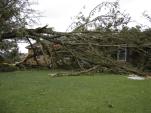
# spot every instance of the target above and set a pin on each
(36, 92)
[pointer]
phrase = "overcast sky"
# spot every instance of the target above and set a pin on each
(58, 13)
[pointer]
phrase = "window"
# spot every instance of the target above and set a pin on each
(122, 54)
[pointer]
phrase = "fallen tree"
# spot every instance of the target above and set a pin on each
(90, 50)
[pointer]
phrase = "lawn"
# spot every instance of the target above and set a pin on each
(36, 92)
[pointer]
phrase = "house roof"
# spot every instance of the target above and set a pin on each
(36, 44)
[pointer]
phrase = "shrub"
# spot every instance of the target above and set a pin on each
(4, 67)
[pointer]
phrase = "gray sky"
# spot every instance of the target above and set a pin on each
(58, 13)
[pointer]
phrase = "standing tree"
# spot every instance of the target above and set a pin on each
(14, 14)
(105, 16)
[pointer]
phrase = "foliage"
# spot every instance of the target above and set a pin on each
(9, 50)
(96, 47)
(105, 16)
(7, 67)
(14, 14)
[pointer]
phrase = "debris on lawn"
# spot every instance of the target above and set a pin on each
(136, 77)
(78, 73)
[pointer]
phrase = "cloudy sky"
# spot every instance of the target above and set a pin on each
(58, 13)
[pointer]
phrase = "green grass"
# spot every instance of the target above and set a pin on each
(36, 92)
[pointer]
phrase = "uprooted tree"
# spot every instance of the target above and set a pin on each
(94, 44)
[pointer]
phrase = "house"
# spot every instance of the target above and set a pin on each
(37, 56)
(123, 53)
(138, 56)
(30, 59)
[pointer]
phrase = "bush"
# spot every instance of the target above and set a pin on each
(4, 67)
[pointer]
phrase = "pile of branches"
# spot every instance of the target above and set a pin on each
(90, 50)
